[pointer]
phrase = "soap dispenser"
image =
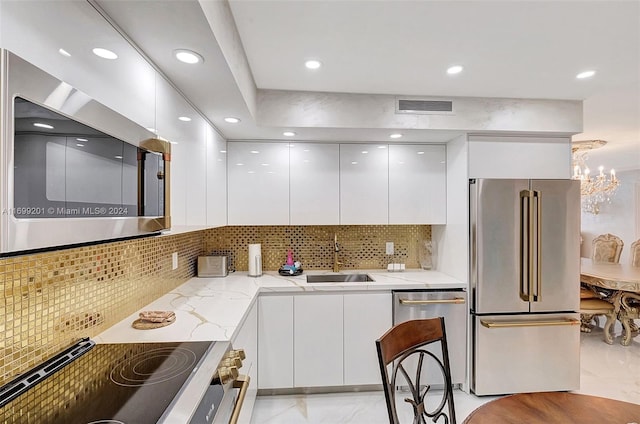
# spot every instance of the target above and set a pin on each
(289, 258)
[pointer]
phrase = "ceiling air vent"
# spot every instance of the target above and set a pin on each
(424, 106)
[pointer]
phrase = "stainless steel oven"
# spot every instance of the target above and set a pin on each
(141, 383)
(72, 170)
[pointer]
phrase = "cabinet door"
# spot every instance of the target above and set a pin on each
(417, 184)
(275, 342)
(247, 338)
(314, 171)
(364, 184)
(318, 340)
(366, 318)
(258, 190)
(519, 157)
(216, 178)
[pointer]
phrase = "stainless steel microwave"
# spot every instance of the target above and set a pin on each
(72, 170)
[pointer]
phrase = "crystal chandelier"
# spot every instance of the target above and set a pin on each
(594, 189)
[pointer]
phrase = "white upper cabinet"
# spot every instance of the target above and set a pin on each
(258, 183)
(216, 179)
(364, 184)
(417, 184)
(314, 175)
(519, 157)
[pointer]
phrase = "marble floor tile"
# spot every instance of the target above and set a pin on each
(607, 371)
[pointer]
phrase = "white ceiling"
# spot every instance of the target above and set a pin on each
(515, 49)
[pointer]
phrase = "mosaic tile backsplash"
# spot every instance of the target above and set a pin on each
(49, 300)
(361, 246)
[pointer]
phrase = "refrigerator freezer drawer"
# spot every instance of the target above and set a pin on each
(521, 354)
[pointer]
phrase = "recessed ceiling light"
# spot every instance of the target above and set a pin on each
(223, 151)
(104, 53)
(292, 145)
(184, 118)
(585, 74)
(421, 153)
(312, 64)
(251, 172)
(118, 157)
(288, 134)
(81, 139)
(188, 56)
(396, 135)
(382, 146)
(364, 152)
(239, 164)
(41, 125)
(231, 120)
(255, 152)
(79, 144)
(354, 163)
(264, 164)
(63, 52)
(454, 70)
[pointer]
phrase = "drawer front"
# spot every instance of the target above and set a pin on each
(519, 354)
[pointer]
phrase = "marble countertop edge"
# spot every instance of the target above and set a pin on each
(213, 309)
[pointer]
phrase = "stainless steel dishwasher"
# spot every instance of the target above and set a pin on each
(448, 303)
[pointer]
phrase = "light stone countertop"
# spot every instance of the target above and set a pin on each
(214, 308)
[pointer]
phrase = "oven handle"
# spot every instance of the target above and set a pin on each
(242, 383)
(431, 301)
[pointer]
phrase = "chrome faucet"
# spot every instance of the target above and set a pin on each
(336, 249)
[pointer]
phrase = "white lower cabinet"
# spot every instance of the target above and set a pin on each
(320, 339)
(275, 342)
(247, 338)
(317, 340)
(366, 318)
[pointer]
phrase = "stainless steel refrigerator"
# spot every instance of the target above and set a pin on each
(524, 280)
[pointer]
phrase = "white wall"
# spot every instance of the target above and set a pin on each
(621, 217)
(452, 240)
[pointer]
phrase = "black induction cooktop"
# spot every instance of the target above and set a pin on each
(111, 383)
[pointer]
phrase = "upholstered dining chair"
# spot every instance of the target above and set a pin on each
(635, 253)
(607, 248)
(403, 354)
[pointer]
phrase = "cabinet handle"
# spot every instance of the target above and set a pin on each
(431, 302)
(242, 383)
(508, 324)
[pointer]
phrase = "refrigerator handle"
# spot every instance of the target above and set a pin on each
(526, 245)
(538, 240)
(511, 324)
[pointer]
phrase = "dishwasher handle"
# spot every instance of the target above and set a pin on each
(455, 300)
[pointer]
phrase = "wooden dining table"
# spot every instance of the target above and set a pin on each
(555, 408)
(620, 279)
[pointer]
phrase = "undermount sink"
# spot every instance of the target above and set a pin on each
(339, 278)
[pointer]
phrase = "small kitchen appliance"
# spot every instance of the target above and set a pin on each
(212, 266)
